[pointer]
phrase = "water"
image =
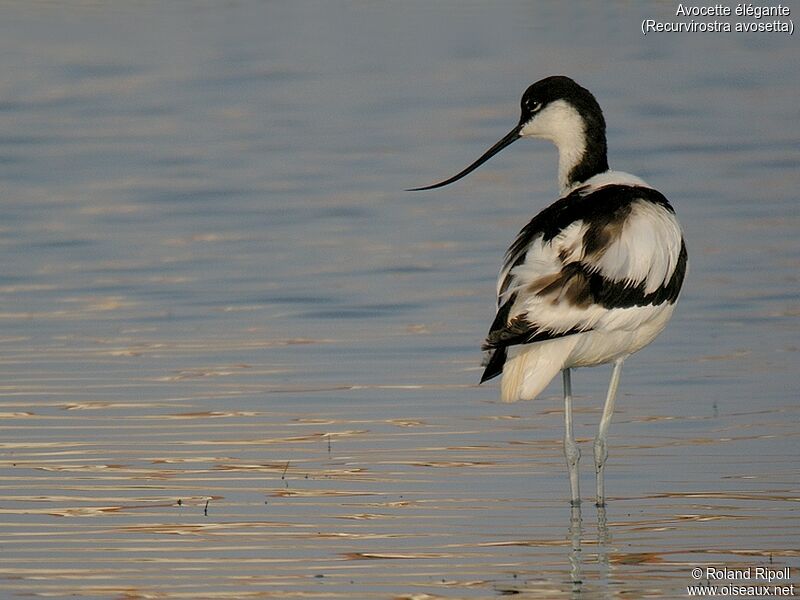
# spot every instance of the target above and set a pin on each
(239, 361)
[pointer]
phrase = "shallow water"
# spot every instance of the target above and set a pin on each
(240, 362)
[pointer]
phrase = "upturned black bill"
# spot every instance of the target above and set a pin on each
(510, 138)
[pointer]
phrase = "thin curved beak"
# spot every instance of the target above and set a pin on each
(511, 137)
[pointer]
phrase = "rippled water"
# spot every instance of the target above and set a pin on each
(238, 361)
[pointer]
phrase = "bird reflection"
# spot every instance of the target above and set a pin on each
(576, 556)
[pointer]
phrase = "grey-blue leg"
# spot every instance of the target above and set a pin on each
(600, 444)
(571, 450)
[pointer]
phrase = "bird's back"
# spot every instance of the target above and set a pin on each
(593, 277)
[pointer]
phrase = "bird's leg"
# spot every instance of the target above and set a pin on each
(571, 450)
(600, 447)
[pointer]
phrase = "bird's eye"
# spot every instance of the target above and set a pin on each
(534, 106)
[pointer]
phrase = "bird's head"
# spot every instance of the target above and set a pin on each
(556, 109)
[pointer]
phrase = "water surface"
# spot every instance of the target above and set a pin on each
(238, 361)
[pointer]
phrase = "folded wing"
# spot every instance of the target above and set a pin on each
(585, 263)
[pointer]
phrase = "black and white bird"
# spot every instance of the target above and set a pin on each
(592, 278)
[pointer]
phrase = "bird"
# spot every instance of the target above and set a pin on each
(591, 279)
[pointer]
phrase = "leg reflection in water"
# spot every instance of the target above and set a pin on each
(603, 539)
(581, 581)
(575, 557)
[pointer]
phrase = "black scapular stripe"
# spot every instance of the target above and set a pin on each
(609, 293)
(618, 294)
(596, 209)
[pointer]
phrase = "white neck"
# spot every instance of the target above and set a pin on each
(568, 157)
(560, 123)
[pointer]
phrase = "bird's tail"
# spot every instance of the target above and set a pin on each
(530, 367)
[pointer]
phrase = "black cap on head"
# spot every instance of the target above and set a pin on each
(536, 98)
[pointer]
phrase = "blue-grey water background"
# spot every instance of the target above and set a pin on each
(239, 361)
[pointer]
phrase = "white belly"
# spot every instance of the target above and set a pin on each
(530, 367)
(601, 346)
